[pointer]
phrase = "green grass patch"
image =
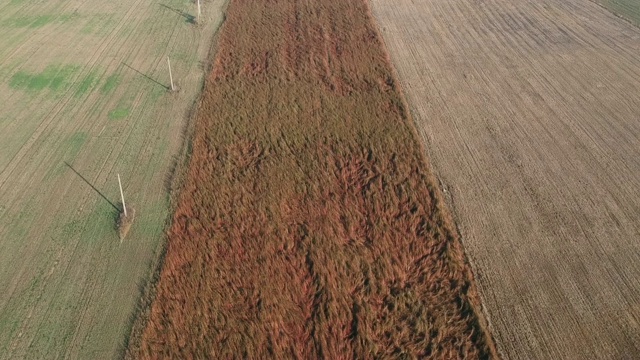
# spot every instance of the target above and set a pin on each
(119, 113)
(61, 79)
(88, 83)
(157, 92)
(18, 22)
(102, 217)
(110, 84)
(20, 222)
(99, 24)
(628, 9)
(75, 142)
(35, 21)
(53, 78)
(41, 21)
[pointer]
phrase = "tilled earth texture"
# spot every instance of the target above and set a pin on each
(531, 115)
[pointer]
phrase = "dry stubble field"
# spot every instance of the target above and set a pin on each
(83, 82)
(530, 113)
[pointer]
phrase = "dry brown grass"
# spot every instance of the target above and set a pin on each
(309, 225)
(124, 222)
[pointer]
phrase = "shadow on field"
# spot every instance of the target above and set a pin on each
(188, 17)
(147, 76)
(93, 187)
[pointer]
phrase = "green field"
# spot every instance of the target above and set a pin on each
(83, 97)
(628, 9)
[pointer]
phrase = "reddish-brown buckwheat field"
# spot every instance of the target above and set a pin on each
(309, 224)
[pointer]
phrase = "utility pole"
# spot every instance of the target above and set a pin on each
(170, 76)
(124, 207)
(198, 19)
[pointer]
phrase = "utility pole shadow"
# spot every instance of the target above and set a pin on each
(147, 77)
(93, 187)
(188, 17)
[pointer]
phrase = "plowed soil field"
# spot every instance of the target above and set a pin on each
(309, 224)
(84, 83)
(530, 112)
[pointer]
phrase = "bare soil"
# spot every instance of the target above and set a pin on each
(529, 111)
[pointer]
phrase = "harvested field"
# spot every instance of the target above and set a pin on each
(309, 224)
(530, 112)
(84, 83)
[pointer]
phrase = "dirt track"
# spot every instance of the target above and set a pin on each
(530, 114)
